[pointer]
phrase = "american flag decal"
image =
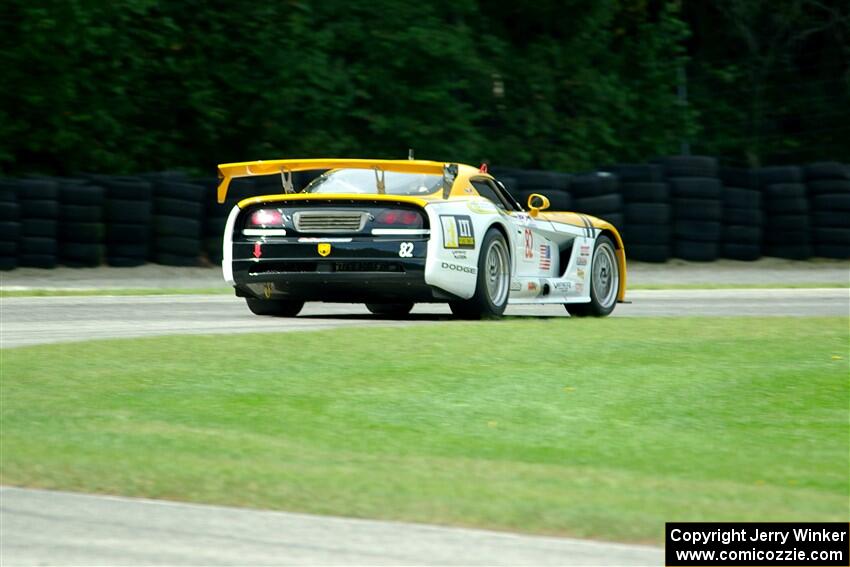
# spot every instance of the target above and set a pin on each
(545, 257)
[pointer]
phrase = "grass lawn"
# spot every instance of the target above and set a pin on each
(594, 428)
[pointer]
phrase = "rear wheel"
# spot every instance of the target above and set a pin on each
(274, 307)
(604, 282)
(390, 309)
(493, 284)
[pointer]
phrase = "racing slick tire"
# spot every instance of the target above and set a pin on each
(274, 307)
(604, 282)
(493, 283)
(390, 309)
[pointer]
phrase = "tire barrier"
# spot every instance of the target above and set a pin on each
(39, 209)
(214, 219)
(743, 221)
(677, 206)
(10, 226)
(81, 226)
(828, 189)
(128, 214)
(178, 210)
(647, 212)
(696, 194)
(786, 228)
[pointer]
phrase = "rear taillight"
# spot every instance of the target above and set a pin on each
(398, 218)
(265, 218)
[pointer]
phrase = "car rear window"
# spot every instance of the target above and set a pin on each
(366, 181)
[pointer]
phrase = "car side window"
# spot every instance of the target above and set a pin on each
(513, 204)
(493, 193)
(486, 190)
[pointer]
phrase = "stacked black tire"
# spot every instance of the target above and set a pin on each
(10, 226)
(697, 208)
(552, 185)
(743, 219)
(81, 227)
(646, 211)
(828, 187)
(128, 215)
(177, 224)
(598, 194)
(39, 205)
(787, 227)
(215, 217)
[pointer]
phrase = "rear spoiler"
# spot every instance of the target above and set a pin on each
(284, 167)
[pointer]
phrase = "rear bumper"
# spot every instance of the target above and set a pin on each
(354, 270)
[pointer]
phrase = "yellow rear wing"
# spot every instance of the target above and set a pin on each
(229, 171)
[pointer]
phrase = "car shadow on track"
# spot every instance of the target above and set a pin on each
(370, 317)
(416, 317)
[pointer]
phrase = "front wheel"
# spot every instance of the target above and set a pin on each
(604, 282)
(390, 309)
(494, 280)
(274, 307)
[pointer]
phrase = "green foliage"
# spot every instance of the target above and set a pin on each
(148, 84)
(774, 83)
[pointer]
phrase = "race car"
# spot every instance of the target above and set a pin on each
(392, 233)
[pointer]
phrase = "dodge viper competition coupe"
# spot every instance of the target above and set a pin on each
(391, 233)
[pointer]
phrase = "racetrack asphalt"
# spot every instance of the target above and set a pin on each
(42, 527)
(39, 320)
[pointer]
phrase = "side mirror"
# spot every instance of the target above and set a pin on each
(537, 203)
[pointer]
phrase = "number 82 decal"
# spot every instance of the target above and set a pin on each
(405, 250)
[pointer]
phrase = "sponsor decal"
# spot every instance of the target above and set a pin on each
(405, 250)
(580, 273)
(482, 207)
(528, 237)
(532, 286)
(580, 287)
(459, 268)
(522, 218)
(468, 190)
(457, 231)
(545, 257)
(585, 249)
(459, 254)
(563, 286)
(324, 248)
(516, 286)
(581, 261)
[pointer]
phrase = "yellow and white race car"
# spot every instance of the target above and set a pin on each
(391, 233)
